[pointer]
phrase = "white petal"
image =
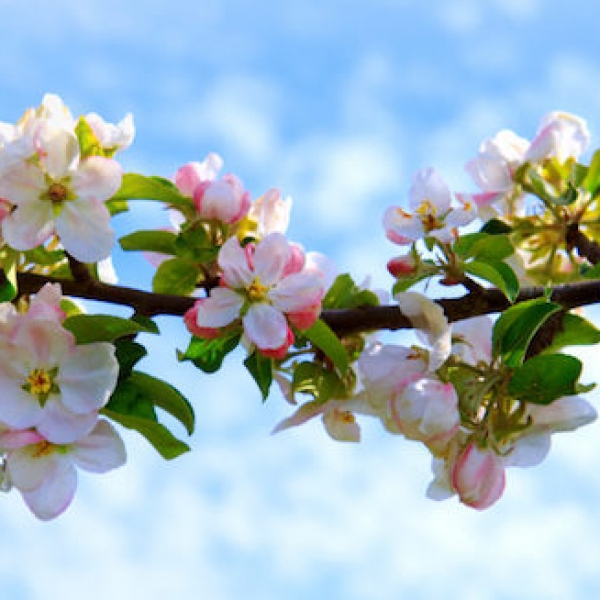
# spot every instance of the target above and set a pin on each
(30, 466)
(59, 425)
(84, 230)
(29, 225)
(271, 256)
(54, 495)
(265, 326)
(60, 149)
(233, 262)
(529, 450)
(98, 178)
(101, 451)
(429, 186)
(297, 292)
(87, 377)
(220, 308)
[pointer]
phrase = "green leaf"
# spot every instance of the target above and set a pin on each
(496, 227)
(102, 328)
(575, 331)
(325, 339)
(136, 187)
(128, 354)
(405, 283)
(592, 272)
(129, 399)
(497, 273)
(516, 326)
(344, 293)
(165, 443)
(195, 245)
(165, 396)
(208, 355)
(261, 369)
(483, 247)
(43, 256)
(591, 181)
(545, 378)
(321, 383)
(175, 276)
(8, 274)
(150, 241)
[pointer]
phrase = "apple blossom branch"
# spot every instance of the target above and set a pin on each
(342, 321)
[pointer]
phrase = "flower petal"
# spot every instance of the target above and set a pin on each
(101, 451)
(85, 231)
(265, 326)
(87, 377)
(271, 257)
(221, 308)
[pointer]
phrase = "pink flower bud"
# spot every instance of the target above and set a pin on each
(401, 266)
(478, 476)
(306, 318)
(225, 200)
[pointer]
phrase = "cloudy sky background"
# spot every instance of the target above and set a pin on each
(336, 103)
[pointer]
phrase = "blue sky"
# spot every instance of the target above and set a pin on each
(337, 103)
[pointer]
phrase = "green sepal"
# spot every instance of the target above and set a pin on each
(175, 276)
(261, 369)
(498, 273)
(150, 241)
(102, 328)
(208, 355)
(545, 378)
(516, 326)
(321, 336)
(89, 144)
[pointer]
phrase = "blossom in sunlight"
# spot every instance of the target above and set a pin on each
(337, 415)
(112, 137)
(271, 213)
(493, 169)
(561, 135)
(223, 199)
(266, 286)
(51, 384)
(431, 212)
(53, 192)
(46, 473)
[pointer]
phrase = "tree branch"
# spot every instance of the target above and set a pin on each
(342, 321)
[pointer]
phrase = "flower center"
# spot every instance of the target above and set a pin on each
(57, 193)
(256, 291)
(428, 213)
(40, 383)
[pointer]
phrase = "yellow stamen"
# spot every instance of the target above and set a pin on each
(57, 193)
(256, 291)
(39, 382)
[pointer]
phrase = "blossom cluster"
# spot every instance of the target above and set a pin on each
(480, 395)
(52, 392)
